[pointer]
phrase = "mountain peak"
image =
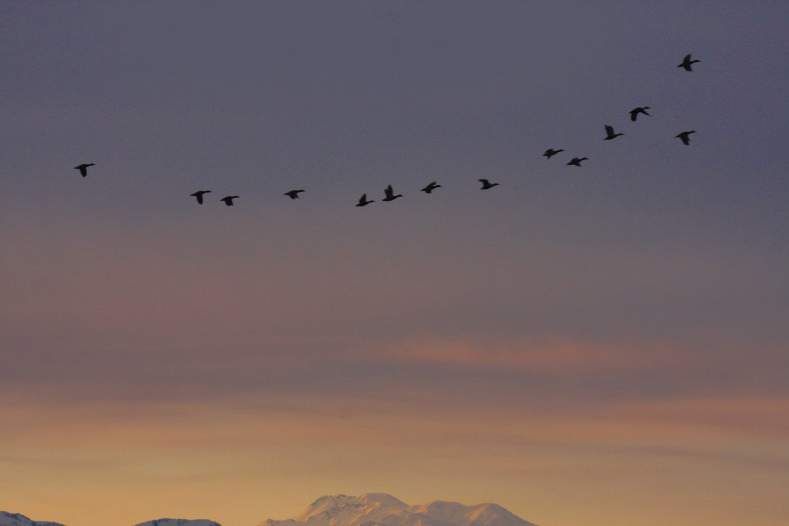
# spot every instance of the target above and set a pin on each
(382, 499)
(332, 508)
(381, 509)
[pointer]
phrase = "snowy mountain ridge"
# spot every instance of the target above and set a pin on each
(380, 509)
(179, 522)
(370, 509)
(17, 519)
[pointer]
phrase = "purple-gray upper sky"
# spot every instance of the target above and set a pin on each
(650, 238)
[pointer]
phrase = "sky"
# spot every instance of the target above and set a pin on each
(604, 345)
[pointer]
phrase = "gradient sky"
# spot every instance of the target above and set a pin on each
(597, 346)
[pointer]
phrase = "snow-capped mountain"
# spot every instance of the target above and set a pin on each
(17, 519)
(179, 522)
(380, 509)
(371, 509)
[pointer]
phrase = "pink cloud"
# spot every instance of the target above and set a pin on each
(559, 355)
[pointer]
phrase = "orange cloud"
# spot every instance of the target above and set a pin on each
(556, 356)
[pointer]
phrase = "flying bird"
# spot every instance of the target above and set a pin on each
(686, 63)
(390, 195)
(229, 199)
(429, 188)
(199, 195)
(576, 161)
(550, 152)
(609, 133)
(487, 185)
(635, 111)
(293, 194)
(83, 168)
(363, 201)
(684, 136)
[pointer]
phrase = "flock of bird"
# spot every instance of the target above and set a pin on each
(389, 194)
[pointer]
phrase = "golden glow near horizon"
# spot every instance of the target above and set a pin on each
(236, 461)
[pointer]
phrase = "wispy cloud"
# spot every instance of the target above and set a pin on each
(558, 355)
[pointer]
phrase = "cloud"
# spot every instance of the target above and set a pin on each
(560, 356)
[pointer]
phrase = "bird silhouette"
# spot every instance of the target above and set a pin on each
(487, 185)
(686, 63)
(199, 195)
(390, 195)
(293, 194)
(229, 199)
(429, 188)
(363, 201)
(609, 133)
(684, 136)
(576, 161)
(550, 152)
(83, 168)
(635, 111)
